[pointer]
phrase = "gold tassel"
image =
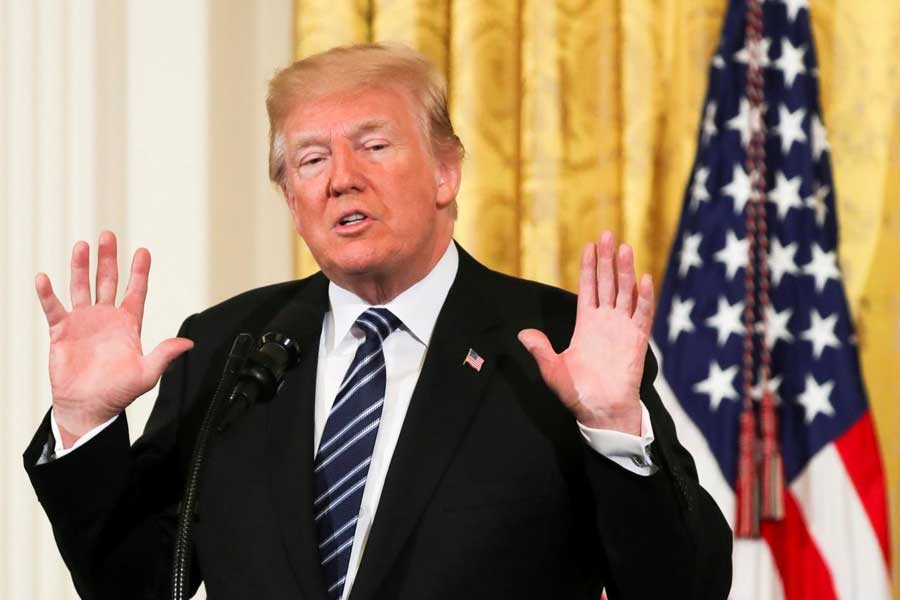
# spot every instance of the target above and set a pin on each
(747, 525)
(772, 467)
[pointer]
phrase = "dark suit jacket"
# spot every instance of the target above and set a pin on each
(491, 492)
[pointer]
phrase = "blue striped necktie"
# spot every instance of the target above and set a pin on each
(342, 461)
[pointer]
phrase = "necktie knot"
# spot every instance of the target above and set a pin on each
(378, 323)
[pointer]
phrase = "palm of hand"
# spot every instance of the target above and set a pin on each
(96, 350)
(606, 359)
(598, 376)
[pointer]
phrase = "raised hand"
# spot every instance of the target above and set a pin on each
(598, 377)
(97, 366)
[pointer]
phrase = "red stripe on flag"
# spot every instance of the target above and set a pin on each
(802, 569)
(858, 448)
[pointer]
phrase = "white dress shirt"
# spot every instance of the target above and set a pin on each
(404, 353)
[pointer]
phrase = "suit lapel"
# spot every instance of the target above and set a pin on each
(445, 399)
(290, 439)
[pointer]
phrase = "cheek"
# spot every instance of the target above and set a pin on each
(306, 209)
(417, 193)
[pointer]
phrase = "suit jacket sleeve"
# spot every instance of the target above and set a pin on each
(113, 506)
(661, 532)
(639, 537)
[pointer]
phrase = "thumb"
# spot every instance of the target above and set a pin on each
(167, 351)
(540, 349)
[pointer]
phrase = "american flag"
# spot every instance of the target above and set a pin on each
(832, 541)
(473, 360)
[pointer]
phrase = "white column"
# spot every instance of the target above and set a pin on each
(166, 163)
(17, 509)
(124, 116)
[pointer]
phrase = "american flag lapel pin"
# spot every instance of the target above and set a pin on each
(473, 360)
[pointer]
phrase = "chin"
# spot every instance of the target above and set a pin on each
(358, 263)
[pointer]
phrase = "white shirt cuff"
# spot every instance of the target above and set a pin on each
(57, 451)
(630, 452)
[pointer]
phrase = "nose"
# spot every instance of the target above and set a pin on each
(345, 176)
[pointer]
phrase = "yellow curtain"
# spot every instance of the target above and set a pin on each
(579, 116)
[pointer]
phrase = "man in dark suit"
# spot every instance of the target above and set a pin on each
(473, 461)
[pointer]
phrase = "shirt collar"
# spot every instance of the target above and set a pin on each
(418, 306)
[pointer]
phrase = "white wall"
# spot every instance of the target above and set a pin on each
(146, 118)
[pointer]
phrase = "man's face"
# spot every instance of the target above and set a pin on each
(363, 188)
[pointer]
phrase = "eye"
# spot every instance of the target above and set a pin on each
(311, 163)
(376, 146)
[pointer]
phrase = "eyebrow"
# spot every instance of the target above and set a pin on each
(319, 138)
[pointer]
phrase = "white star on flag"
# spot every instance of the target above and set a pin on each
(718, 385)
(680, 317)
(821, 333)
(746, 121)
(699, 193)
(727, 320)
(819, 137)
(733, 255)
(781, 260)
(690, 253)
(786, 194)
(791, 61)
(790, 127)
(773, 384)
(777, 326)
(738, 188)
(816, 202)
(709, 122)
(815, 399)
(743, 55)
(822, 266)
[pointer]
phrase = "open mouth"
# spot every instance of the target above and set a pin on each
(352, 218)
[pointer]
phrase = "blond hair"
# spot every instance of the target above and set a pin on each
(361, 65)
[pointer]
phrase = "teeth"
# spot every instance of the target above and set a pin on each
(352, 218)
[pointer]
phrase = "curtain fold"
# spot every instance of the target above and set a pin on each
(579, 116)
(485, 98)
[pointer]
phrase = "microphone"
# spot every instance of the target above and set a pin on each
(261, 375)
(250, 376)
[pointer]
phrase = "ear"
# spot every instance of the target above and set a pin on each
(448, 174)
(291, 202)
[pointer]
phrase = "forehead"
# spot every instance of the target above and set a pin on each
(352, 111)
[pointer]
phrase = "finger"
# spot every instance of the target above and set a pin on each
(50, 304)
(606, 283)
(540, 349)
(136, 292)
(625, 277)
(157, 361)
(643, 312)
(587, 280)
(80, 285)
(107, 269)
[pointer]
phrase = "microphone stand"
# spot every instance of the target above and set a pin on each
(249, 377)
